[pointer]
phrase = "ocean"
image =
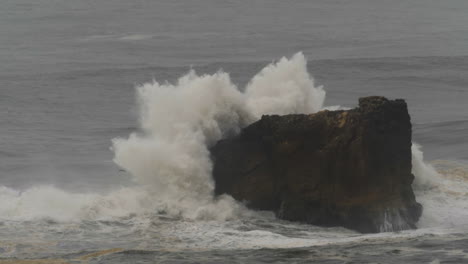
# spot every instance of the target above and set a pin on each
(107, 109)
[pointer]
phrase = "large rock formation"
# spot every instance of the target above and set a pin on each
(333, 168)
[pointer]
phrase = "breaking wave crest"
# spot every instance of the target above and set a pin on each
(49, 202)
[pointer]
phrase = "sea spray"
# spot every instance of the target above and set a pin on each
(179, 122)
(168, 157)
(425, 175)
(284, 88)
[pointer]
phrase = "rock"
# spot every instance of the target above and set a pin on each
(332, 168)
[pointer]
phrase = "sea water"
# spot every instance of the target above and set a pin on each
(107, 110)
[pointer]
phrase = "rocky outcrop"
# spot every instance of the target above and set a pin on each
(334, 168)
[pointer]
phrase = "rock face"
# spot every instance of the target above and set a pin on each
(333, 168)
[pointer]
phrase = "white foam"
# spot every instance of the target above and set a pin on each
(180, 121)
(444, 195)
(425, 175)
(48, 202)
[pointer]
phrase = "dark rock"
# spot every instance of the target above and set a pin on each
(333, 168)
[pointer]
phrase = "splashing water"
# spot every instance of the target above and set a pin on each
(425, 175)
(443, 192)
(180, 121)
(169, 158)
(284, 88)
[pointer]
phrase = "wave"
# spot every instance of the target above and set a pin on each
(443, 192)
(169, 158)
(113, 37)
(179, 122)
(49, 202)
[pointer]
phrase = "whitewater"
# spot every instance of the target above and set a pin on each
(168, 210)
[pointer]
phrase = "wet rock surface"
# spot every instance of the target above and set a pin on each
(348, 168)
